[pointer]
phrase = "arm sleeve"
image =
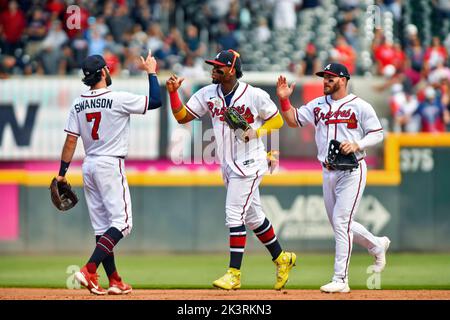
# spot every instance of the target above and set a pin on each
(273, 123)
(197, 104)
(133, 103)
(266, 107)
(371, 126)
(304, 115)
(154, 92)
(72, 124)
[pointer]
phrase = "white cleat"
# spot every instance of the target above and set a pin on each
(380, 259)
(335, 287)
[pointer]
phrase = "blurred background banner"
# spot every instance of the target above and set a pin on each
(34, 111)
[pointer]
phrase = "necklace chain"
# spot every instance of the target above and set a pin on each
(232, 90)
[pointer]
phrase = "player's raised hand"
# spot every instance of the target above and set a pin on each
(284, 90)
(173, 83)
(148, 64)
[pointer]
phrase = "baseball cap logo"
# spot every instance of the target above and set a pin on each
(218, 55)
(328, 67)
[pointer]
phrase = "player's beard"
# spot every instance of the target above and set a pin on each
(332, 89)
(108, 79)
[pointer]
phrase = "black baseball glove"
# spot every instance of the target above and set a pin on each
(236, 122)
(62, 195)
(339, 161)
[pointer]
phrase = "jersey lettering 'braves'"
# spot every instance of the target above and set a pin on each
(350, 118)
(255, 105)
(101, 118)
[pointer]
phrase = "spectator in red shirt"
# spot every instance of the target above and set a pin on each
(345, 54)
(384, 55)
(55, 7)
(112, 61)
(399, 57)
(12, 26)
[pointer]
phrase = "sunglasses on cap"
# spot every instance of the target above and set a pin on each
(235, 56)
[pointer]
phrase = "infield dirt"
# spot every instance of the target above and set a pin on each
(215, 294)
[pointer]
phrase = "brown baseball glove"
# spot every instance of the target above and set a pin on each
(62, 195)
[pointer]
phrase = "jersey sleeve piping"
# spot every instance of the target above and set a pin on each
(191, 112)
(376, 130)
(146, 105)
(72, 133)
(297, 119)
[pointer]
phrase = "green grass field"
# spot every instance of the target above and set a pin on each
(404, 271)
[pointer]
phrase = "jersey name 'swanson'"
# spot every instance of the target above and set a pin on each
(93, 103)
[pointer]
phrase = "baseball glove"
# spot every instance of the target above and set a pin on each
(236, 122)
(62, 195)
(338, 161)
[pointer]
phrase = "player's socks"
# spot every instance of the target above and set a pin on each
(114, 276)
(109, 263)
(238, 236)
(104, 248)
(266, 235)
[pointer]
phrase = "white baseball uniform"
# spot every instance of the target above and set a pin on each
(102, 119)
(352, 119)
(243, 164)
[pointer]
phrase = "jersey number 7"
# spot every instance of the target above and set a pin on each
(96, 116)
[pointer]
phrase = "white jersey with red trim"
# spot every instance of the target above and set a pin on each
(350, 118)
(255, 105)
(102, 119)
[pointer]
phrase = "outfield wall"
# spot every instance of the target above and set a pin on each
(408, 201)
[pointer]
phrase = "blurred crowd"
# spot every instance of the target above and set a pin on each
(418, 80)
(52, 37)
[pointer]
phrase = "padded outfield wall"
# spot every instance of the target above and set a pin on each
(408, 201)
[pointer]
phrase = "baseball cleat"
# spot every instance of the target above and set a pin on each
(335, 287)
(284, 263)
(230, 280)
(118, 287)
(90, 281)
(380, 259)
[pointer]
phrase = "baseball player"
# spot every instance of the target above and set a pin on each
(352, 121)
(101, 118)
(243, 164)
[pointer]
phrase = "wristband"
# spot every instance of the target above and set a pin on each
(63, 168)
(180, 114)
(175, 101)
(285, 104)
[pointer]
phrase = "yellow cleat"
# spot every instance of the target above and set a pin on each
(231, 280)
(284, 263)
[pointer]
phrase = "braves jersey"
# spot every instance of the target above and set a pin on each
(102, 119)
(350, 118)
(256, 107)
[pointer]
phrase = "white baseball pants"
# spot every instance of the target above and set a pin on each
(342, 192)
(107, 194)
(243, 203)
